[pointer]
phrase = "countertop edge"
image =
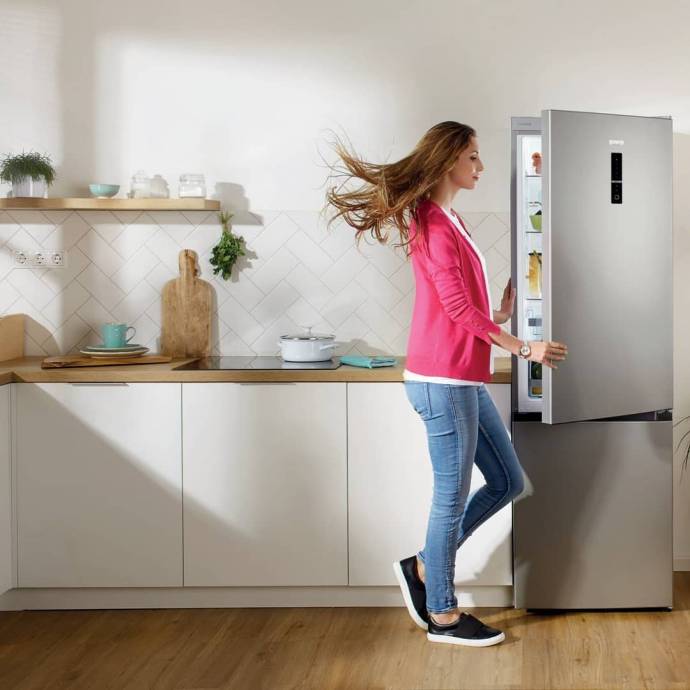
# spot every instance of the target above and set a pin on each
(28, 370)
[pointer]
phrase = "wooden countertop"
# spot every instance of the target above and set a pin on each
(28, 370)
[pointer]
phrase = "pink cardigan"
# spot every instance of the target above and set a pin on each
(449, 335)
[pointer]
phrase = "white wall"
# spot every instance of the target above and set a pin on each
(245, 93)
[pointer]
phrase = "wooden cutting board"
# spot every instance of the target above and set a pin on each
(186, 311)
(85, 361)
(11, 337)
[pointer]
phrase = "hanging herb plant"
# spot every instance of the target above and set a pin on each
(228, 249)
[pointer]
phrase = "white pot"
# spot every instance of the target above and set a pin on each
(307, 347)
(27, 186)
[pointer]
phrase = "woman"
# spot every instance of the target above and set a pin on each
(448, 359)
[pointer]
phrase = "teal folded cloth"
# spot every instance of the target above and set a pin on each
(369, 362)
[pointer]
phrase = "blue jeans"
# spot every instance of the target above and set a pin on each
(463, 426)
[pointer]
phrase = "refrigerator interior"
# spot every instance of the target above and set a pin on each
(527, 233)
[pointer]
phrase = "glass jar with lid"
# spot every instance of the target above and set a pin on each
(192, 185)
(140, 186)
(159, 187)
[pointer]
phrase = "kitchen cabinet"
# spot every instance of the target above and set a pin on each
(99, 472)
(265, 484)
(7, 575)
(390, 485)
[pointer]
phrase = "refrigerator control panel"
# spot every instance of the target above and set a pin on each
(616, 177)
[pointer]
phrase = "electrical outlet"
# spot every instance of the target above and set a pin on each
(42, 258)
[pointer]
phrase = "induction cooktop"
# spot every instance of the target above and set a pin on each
(255, 362)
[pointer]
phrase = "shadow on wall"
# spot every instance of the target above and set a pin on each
(126, 98)
(231, 195)
(681, 345)
(255, 508)
(681, 268)
(133, 534)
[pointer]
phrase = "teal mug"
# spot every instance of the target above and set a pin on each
(115, 334)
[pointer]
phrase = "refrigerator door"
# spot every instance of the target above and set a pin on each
(607, 281)
(526, 240)
(594, 526)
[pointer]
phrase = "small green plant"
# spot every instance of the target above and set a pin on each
(32, 164)
(228, 249)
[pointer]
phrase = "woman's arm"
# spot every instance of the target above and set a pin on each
(546, 352)
(507, 341)
(439, 256)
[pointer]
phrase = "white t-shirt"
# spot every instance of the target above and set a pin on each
(411, 375)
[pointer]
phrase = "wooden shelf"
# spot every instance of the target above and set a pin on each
(93, 204)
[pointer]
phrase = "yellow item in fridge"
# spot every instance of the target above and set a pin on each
(534, 274)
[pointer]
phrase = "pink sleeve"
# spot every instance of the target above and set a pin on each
(442, 262)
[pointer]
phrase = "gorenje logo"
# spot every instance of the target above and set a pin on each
(616, 142)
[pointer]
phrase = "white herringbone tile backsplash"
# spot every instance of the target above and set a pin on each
(295, 273)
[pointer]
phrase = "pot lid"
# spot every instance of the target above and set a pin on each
(308, 335)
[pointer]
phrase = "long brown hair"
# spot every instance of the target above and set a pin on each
(391, 191)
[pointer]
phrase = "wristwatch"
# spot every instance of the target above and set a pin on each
(525, 351)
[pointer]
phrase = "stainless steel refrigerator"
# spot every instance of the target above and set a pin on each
(591, 230)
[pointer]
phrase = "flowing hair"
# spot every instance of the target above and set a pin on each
(391, 192)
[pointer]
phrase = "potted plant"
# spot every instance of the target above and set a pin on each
(30, 174)
(228, 249)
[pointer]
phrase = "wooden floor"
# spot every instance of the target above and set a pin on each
(356, 648)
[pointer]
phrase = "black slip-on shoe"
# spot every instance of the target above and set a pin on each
(467, 630)
(413, 590)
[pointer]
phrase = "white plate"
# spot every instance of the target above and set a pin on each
(131, 353)
(103, 348)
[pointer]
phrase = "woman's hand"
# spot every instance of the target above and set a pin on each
(507, 304)
(547, 352)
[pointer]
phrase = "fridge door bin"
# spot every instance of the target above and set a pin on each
(593, 528)
(525, 191)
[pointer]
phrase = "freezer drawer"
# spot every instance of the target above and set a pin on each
(593, 528)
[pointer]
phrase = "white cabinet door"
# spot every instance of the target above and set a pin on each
(500, 392)
(6, 551)
(99, 485)
(265, 488)
(390, 483)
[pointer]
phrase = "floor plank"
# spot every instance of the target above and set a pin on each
(342, 649)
